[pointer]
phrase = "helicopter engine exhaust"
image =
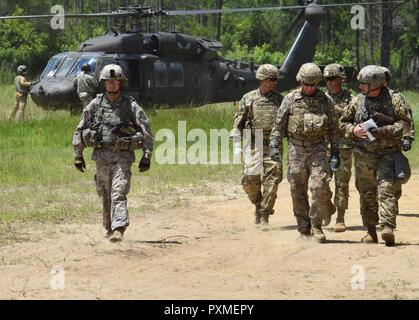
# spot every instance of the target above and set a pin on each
(163, 43)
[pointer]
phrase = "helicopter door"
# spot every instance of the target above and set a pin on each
(146, 83)
(169, 82)
(177, 81)
(133, 74)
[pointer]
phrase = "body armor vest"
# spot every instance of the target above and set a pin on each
(111, 115)
(367, 107)
(264, 112)
(308, 119)
(113, 126)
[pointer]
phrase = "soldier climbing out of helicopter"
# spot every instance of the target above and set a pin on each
(86, 84)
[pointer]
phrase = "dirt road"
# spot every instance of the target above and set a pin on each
(211, 250)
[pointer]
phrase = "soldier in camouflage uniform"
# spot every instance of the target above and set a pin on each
(306, 117)
(409, 133)
(257, 112)
(87, 85)
(334, 75)
(114, 125)
(21, 98)
(378, 186)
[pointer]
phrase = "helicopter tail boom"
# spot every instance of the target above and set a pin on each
(303, 49)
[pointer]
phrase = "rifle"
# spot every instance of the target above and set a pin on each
(123, 131)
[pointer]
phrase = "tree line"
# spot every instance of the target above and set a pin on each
(265, 37)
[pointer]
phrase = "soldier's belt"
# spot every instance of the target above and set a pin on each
(122, 145)
(303, 143)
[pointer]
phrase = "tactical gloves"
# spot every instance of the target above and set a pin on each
(406, 144)
(382, 120)
(380, 133)
(144, 164)
(80, 164)
(274, 152)
(335, 161)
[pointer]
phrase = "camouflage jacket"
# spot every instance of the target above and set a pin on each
(391, 105)
(257, 111)
(342, 100)
(111, 114)
(22, 86)
(305, 118)
(86, 83)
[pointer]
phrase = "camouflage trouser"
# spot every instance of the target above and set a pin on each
(113, 178)
(21, 100)
(269, 179)
(342, 177)
(85, 98)
(378, 189)
(304, 163)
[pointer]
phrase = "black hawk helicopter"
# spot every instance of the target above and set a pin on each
(169, 67)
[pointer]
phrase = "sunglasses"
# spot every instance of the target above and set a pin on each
(309, 85)
(273, 79)
(331, 78)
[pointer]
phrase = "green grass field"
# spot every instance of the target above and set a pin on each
(40, 183)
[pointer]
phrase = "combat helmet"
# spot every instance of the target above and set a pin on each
(334, 70)
(387, 73)
(112, 72)
(21, 70)
(267, 71)
(309, 73)
(373, 75)
(86, 67)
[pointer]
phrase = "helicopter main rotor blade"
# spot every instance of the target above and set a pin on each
(75, 15)
(244, 10)
(149, 13)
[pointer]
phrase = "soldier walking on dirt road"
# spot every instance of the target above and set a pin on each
(377, 151)
(307, 118)
(334, 75)
(257, 112)
(114, 125)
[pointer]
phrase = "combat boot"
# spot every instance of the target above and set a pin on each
(326, 221)
(371, 236)
(306, 236)
(318, 234)
(330, 213)
(265, 222)
(340, 222)
(107, 233)
(388, 235)
(258, 215)
(117, 235)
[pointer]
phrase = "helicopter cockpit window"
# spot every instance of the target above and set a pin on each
(65, 67)
(52, 66)
(76, 70)
(177, 77)
(160, 74)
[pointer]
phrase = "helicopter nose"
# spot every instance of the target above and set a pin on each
(54, 94)
(38, 95)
